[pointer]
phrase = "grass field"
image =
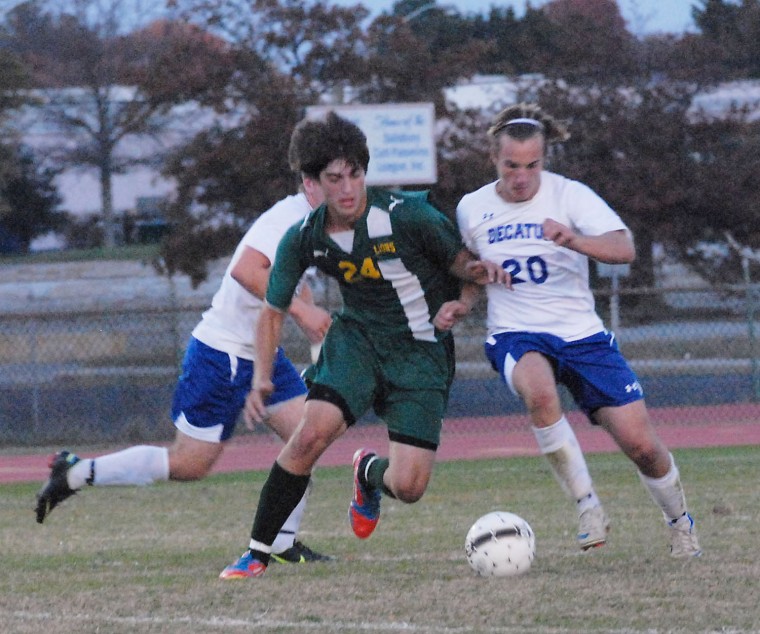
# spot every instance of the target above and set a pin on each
(147, 560)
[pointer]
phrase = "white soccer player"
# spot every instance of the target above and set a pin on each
(543, 228)
(216, 377)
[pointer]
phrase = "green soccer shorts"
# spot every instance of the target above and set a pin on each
(405, 381)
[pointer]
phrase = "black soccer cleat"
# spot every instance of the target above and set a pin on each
(57, 488)
(299, 553)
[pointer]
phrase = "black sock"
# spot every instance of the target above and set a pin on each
(374, 478)
(280, 495)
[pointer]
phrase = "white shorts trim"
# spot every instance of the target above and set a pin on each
(207, 434)
(508, 370)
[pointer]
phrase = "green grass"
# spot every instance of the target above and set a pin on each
(147, 560)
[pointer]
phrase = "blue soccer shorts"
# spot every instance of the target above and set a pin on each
(593, 368)
(211, 391)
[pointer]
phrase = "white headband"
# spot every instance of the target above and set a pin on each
(533, 122)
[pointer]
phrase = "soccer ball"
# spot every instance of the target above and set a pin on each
(500, 544)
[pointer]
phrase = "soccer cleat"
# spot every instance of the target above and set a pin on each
(683, 538)
(246, 567)
(593, 528)
(299, 553)
(364, 511)
(57, 488)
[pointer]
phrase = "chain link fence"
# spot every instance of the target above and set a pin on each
(99, 375)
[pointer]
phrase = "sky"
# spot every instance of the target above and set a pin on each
(643, 17)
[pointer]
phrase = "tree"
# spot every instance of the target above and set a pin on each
(412, 60)
(288, 55)
(634, 145)
(282, 58)
(633, 148)
(591, 41)
(676, 176)
(18, 179)
(318, 45)
(13, 82)
(731, 33)
(89, 72)
(12, 79)
(174, 62)
(30, 201)
(725, 197)
(503, 30)
(464, 162)
(226, 178)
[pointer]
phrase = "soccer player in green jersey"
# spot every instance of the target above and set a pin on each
(397, 261)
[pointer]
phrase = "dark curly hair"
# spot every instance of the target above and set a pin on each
(316, 143)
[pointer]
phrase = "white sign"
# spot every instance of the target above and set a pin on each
(400, 138)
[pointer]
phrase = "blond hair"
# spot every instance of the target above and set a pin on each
(524, 121)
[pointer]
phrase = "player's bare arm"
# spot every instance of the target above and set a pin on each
(450, 313)
(252, 270)
(268, 334)
(613, 247)
(312, 319)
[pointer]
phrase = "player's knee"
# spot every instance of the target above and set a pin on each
(542, 400)
(186, 467)
(309, 442)
(285, 417)
(188, 472)
(409, 496)
(409, 492)
(313, 436)
(645, 457)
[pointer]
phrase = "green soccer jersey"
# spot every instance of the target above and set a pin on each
(396, 276)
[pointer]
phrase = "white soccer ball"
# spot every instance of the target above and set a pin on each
(500, 544)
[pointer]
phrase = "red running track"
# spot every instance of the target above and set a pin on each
(463, 439)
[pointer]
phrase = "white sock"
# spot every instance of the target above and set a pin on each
(667, 492)
(140, 465)
(289, 530)
(560, 446)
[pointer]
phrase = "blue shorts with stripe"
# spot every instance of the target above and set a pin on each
(593, 368)
(212, 388)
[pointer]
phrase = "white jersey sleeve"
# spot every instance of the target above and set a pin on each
(551, 291)
(229, 324)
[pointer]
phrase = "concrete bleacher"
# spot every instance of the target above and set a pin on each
(96, 285)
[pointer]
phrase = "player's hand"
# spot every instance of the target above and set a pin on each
(255, 410)
(314, 321)
(450, 313)
(559, 234)
(486, 272)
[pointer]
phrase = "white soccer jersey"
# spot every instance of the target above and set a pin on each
(230, 323)
(551, 289)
